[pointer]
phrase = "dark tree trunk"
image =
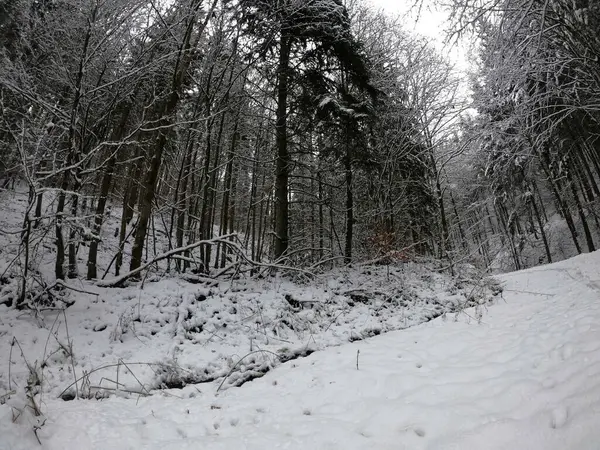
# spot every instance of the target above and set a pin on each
(73, 146)
(444, 238)
(461, 232)
(59, 269)
(38, 209)
(555, 188)
(283, 160)
(206, 177)
(542, 231)
(130, 199)
(147, 198)
(321, 217)
(73, 271)
(580, 211)
(103, 197)
(228, 184)
(349, 202)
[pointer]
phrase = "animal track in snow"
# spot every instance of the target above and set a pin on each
(566, 352)
(419, 432)
(548, 383)
(559, 417)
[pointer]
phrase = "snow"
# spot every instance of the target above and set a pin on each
(521, 373)
(172, 330)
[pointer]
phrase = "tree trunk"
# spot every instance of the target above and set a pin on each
(349, 202)
(542, 231)
(283, 160)
(444, 238)
(225, 213)
(38, 209)
(555, 188)
(461, 232)
(103, 197)
(72, 146)
(164, 124)
(586, 228)
(321, 217)
(73, 271)
(130, 199)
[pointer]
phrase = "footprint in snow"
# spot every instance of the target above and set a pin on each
(584, 328)
(419, 432)
(566, 352)
(560, 414)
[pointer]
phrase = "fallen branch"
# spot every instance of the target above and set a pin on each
(224, 240)
(116, 282)
(6, 395)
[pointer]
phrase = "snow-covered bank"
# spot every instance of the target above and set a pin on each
(526, 376)
(172, 333)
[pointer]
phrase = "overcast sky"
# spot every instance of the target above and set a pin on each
(431, 22)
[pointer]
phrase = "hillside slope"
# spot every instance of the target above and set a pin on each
(525, 376)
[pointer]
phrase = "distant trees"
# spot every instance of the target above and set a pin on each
(538, 126)
(307, 132)
(311, 42)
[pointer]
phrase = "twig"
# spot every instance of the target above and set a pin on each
(120, 280)
(12, 344)
(68, 286)
(108, 366)
(528, 292)
(44, 359)
(7, 394)
(133, 375)
(70, 344)
(35, 431)
(120, 389)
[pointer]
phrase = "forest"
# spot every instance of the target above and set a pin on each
(220, 218)
(297, 134)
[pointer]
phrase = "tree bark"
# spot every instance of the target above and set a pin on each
(584, 224)
(349, 201)
(542, 231)
(283, 160)
(103, 197)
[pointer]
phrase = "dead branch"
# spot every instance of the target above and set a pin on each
(116, 282)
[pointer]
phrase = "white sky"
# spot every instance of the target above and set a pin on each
(431, 23)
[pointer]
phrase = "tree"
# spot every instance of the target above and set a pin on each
(299, 33)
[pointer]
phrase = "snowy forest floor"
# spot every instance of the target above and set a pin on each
(524, 376)
(314, 362)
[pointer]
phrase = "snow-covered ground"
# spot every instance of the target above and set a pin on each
(525, 374)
